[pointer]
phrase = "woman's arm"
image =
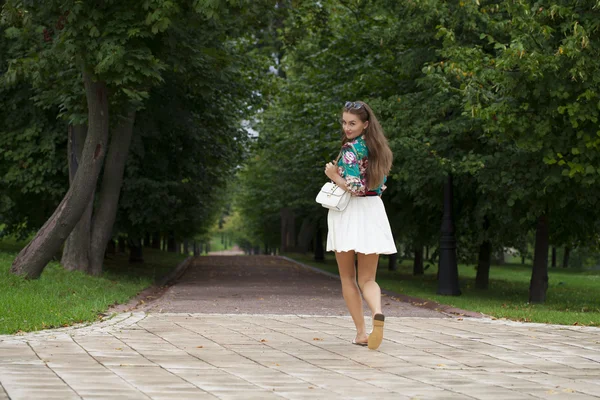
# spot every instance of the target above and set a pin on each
(351, 181)
(332, 173)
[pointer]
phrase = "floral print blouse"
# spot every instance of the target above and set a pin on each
(352, 166)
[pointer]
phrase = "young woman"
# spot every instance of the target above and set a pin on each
(362, 230)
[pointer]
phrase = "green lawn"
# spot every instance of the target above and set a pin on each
(572, 297)
(61, 298)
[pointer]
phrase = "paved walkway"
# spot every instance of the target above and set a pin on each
(181, 355)
(264, 285)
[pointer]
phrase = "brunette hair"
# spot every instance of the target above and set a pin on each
(380, 155)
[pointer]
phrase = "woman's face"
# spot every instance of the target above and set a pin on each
(352, 125)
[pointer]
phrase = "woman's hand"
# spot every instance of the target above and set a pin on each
(331, 171)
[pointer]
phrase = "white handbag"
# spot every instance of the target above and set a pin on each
(333, 197)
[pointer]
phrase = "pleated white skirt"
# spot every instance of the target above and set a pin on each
(363, 227)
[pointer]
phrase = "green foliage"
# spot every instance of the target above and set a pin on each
(533, 64)
(189, 139)
(33, 172)
(497, 93)
(112, 40)
(182, 66)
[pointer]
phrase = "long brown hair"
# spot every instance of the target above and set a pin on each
(380, 156)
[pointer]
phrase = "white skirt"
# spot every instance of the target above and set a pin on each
(363, 227)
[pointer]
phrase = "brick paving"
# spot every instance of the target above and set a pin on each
(275, 351)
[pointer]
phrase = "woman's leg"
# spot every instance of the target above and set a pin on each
(351, 293)
(367, 270)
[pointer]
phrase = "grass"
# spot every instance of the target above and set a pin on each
(62, 298)
(572, 296)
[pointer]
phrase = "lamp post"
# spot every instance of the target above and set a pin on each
(448, 267)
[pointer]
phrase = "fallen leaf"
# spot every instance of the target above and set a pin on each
(118, 348)
(316, 338)
(263, 340)
(199, 347)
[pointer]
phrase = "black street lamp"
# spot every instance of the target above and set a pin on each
(448, 266)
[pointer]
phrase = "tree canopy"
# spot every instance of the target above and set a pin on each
(498, 94)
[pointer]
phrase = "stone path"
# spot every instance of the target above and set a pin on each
(183, 355)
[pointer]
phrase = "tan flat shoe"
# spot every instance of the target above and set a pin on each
(376, 336)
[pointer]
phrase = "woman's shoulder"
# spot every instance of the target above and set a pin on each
(357, 145)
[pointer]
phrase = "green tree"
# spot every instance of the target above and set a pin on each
(122, 51)
(532, 84)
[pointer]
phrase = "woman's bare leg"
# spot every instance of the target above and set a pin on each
(367, 270)
(351, 293)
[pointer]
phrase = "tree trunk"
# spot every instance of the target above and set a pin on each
(319, 249)
(122, 246)
(108, 201)
(539, 276)
(196, 249)
(76, 254)
(418, 261)
(136, 251)
(171, 244)
(76, 250)
(186, 247)
(553, 257)
(484, 260)
(393, 262)
(501, 259)
(147, 240)
(482, 278)
(111, 248)
(427, 253)
(566, 255)
(32, 260)
(448, 283)
(305, 236)
(156, 240)
(288, 230)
